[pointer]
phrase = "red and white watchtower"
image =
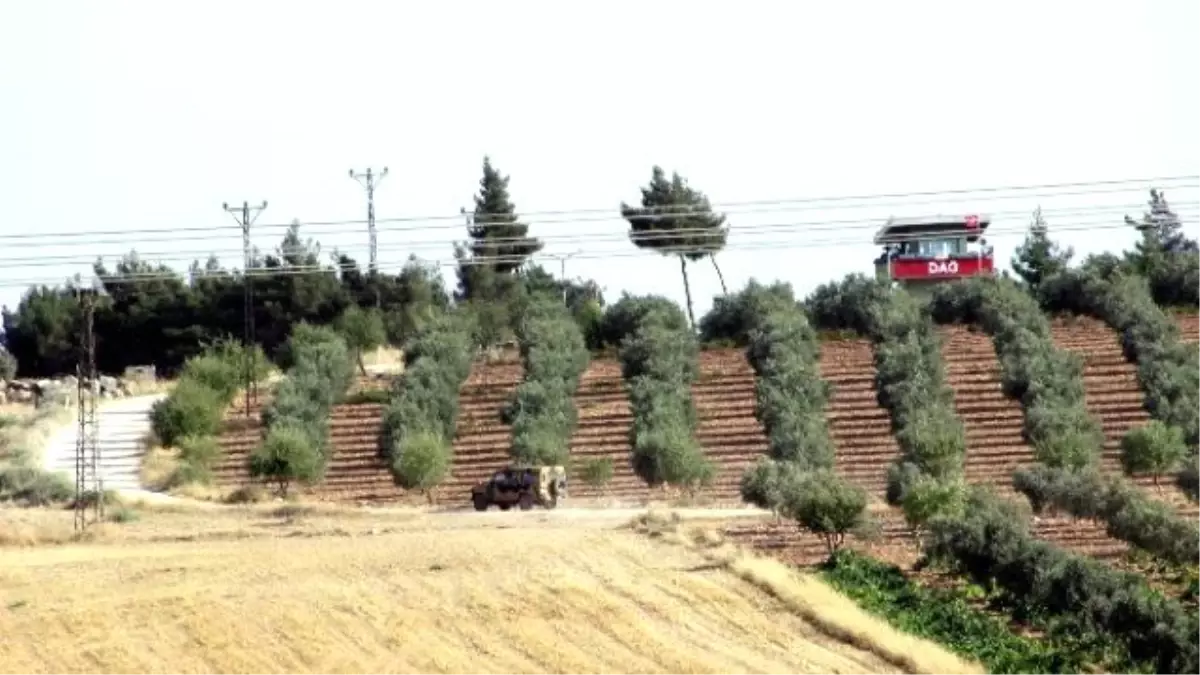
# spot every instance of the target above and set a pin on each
(918, 252)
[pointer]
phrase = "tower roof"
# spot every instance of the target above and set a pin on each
(897, 230)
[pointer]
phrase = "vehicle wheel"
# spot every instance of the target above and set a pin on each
(505, 507)
(526, 501)
(480, 501)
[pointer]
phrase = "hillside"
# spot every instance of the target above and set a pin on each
(432, 594)
(730, 434)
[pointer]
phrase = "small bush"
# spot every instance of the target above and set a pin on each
(34, 487)
(192, 409)
(286, 455)
(223, 376)
(363, 330)
(197, 457)
(825, 504)
(597, 472)
(762, 484)
(1154, 449)
(422, 462)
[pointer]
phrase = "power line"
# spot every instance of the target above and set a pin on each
(727, 208)
(1182, 209)
(624, 252)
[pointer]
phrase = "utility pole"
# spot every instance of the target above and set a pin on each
(562, 269)
(245, 219)
(89, 485)
(369, 180)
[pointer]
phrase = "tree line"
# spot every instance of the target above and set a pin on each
(149, 313)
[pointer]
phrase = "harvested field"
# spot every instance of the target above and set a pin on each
(430, 593)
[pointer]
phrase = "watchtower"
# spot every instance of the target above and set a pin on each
(919, 252)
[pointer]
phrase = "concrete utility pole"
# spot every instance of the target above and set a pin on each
(369, 180)
(562, 268)
(244, 218)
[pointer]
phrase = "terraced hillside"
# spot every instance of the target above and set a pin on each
(995, 446)
(357, 472)
(724, 397)
(1113, 393)
(728, 430)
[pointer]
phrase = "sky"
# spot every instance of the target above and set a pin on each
(126, 125)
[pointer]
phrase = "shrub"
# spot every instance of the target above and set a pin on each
(320, 370)
(1129, 514)
(554, 353)
(625, 316)
(659, 362)
(946, 616)
(825, 504)
(762, 484)
(423, 403)
(790, 396)
(197, 456)
(733, 317)
(34, 487)
(363, 330)
(287, 454)
(1048, 381)
(192, 409)
(991, 544)
(422, 462)
(1154, 448)
(597, 472)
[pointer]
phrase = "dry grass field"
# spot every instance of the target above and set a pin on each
(297, 588)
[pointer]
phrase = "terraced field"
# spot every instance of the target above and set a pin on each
(995, 447)
(733, 438)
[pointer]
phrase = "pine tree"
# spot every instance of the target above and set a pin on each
(675, 219)
(1039, 257)
(495, 232)
(1162, 238)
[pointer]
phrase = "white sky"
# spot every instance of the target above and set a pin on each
(121, 116)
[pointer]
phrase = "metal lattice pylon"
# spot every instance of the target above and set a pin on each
(89, 484)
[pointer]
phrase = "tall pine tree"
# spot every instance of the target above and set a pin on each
(499, 242)
(675, 219)
(1162, 235)
(1039, 257)
(488, 263)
